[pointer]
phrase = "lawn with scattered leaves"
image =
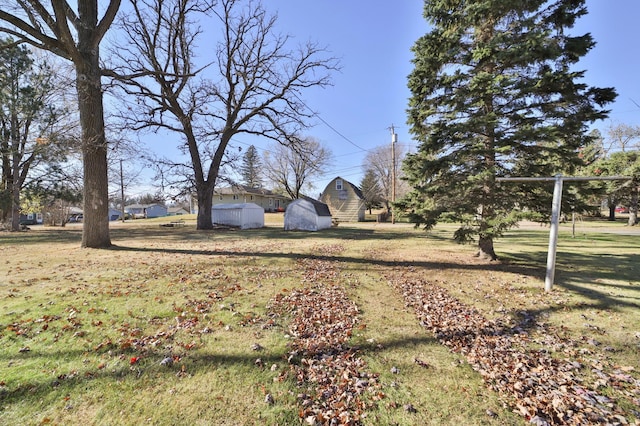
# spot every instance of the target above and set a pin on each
(361, 324)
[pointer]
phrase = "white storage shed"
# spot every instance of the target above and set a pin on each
(305, 214)
(242, 215)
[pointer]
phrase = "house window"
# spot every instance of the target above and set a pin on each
(270, 201)
(220, 197)
(251, 197)
(235, 197)
(338, 184)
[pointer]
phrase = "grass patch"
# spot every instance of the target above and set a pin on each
(172, 325)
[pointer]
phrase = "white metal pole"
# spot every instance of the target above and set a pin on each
(555, 213)
(553, 233)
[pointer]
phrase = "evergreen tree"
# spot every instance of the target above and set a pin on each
(619, 163)
(371, 190)
(28, 115)
(251, 168)
(495, 93)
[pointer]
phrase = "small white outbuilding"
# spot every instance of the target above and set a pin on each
(242, 215)
(306, 214)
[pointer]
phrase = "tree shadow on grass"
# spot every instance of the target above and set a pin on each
(41, 236)
(365, 262)
(150, 369)
(608, 281)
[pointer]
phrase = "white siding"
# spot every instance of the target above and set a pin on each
(301, 216)
(243, 215)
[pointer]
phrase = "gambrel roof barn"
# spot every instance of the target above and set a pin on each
(345, 200)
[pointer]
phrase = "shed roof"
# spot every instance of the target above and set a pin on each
(230, 206)
(321, 208)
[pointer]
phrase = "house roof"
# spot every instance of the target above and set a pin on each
(346, 182)
(244, 189)
(176, 209)
(143, 206)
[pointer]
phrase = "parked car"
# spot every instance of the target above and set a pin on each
(76, 218)
(622, 210)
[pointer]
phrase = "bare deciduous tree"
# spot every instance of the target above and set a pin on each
(256, 90)
(76, 36)
(291, 169)
(623, 137)
(380, 161)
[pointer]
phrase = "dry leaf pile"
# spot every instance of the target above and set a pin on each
(515, 359)
(322, 321)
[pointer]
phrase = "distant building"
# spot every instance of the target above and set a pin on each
(115, 214)
(176, 211)
(345, 201)
(140, 211)
(31, 218)
(268, 200)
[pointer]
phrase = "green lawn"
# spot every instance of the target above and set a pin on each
(178, 326)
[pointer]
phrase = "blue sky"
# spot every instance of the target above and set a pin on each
(373, 40)
(615, 60)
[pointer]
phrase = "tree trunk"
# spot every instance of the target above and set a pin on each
(612, 212)
(15, 166)
(205, 202)
(485, 249)
(15, 208)
(95, 228)
(633, 209)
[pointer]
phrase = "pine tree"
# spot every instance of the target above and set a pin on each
(371, 190)
(495, 93)
(251, 168)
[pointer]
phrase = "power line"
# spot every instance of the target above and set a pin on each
(332, 128)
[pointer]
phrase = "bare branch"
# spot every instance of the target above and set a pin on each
(105, 22)
(32, 35)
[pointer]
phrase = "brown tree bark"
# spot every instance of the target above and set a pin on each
(95, 229)
(205, 203)
(485, 249)
(47, 27)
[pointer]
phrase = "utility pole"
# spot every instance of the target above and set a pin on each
(394, 139)
(122, 190)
